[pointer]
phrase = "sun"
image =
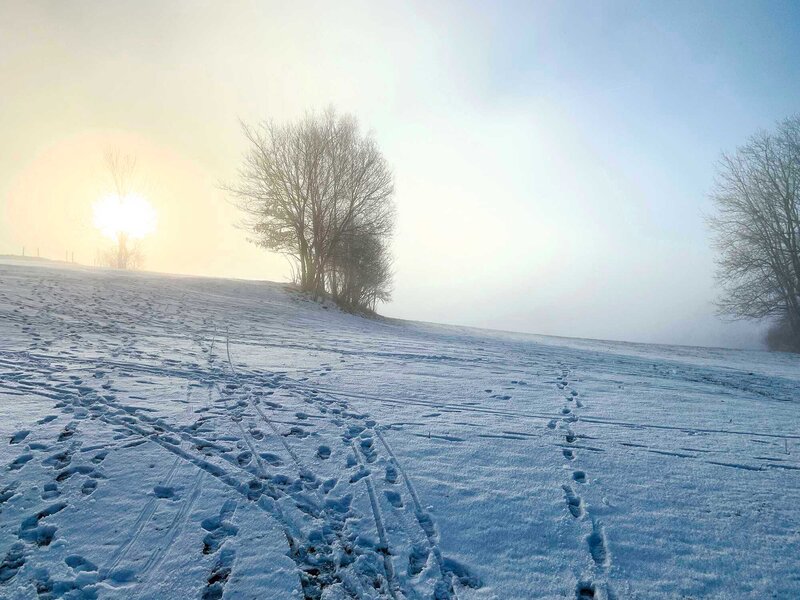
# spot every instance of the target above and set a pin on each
(130, 216)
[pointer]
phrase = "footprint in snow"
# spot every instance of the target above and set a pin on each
(244, 458)
(585, 590)
(58, 461)
(359, 475)
(19, 462)
(12, 562)
(80, 564)
(394, 498)
(273, 459)
(296, 432)
(598, 545)
(164, 491)
(19, 436)
(417, 559)
(574, 502)
(50, 491)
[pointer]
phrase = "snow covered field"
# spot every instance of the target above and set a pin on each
(174, 437)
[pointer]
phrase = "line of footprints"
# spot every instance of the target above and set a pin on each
(586, 588)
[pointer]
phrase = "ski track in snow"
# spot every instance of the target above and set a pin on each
(215, 439)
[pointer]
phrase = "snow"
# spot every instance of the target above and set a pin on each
(177, 437)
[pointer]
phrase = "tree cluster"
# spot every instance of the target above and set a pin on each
(320, 192)
(757, 232)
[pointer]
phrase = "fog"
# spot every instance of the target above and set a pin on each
(552, 162)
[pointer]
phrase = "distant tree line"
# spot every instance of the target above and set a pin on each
(756, 228)
(320, 191)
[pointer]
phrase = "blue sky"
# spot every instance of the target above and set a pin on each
(651, 93)
(552, 159)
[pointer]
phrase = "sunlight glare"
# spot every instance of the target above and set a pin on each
(131, 215)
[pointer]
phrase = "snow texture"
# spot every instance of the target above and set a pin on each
(176, 437)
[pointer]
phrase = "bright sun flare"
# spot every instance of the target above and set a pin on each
(129, 215)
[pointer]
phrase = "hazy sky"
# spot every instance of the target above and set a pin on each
(552, 159)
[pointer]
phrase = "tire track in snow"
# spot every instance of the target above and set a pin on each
(425, 522)
(175, 527)
(545, 417)
(376, 513)
(391, 578)
(252, 403)
(277, 433)
(157, 430)
(138, 526)
(142, 426)
(323, 512)
(445, 588)
(155, 370)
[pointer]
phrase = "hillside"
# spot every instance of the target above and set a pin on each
(171, 437)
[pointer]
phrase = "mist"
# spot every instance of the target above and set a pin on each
(552, 162)
(399, 300)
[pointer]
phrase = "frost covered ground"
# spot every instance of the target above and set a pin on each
(173, 437)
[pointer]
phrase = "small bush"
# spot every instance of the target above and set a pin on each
(780, 337)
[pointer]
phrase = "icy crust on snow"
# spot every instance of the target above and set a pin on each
(177, 437)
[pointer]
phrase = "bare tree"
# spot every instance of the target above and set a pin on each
(310, 188)
(361, 271)
(125, 254)
(756, 229)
